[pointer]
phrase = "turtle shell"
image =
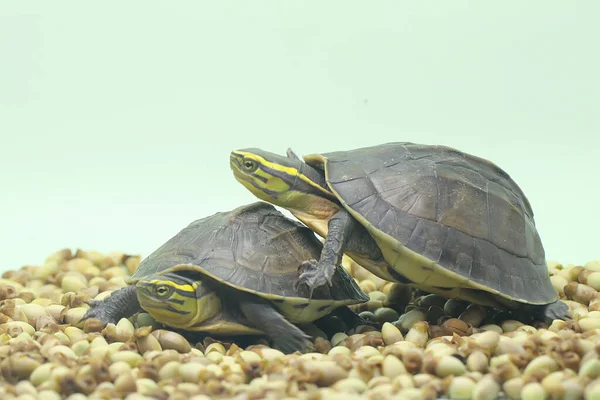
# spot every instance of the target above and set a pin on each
(447, 213)
(256, 249)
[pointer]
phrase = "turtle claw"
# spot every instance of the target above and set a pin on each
(313, 276)
(96, 311)
(293, 341)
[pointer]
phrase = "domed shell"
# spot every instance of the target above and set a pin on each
(253, 248)
(460, 211)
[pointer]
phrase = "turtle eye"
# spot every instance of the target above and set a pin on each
(162, 290)
(250, 165)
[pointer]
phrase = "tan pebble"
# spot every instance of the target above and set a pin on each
(543, 362)
(378, 380)
(125, 330)
(115, 347)
(366, 351)
(21, 365)
(440, 349)
(557, 325)
(381, 391)
(477, 361)
(558, 283)
(352, 385)
(73, 315)
(418, 334)
(580, 292)
(63, 351)
(75, 334)
(41, 374)
(533, 391)
(172, 340)
(33, 311)
(390, 334)
(62, 338)
(486, 388)
(588, 324)
(148, 343)
(80, 347)
(593, 280)
(590, 369)
(146, 386)
(138, 396)
(73, 281)
(311, 356)
(113, 272)
(55, 310)
(191, 372)
(448, 365)
(77, 396)
(25, 387)
(216, 346)
(48, 395)
(169, 370)
(249, 356)
(530, 330)
(512, 387)
(272, 354)
(409, 394)
(507, 346)
(339, 350)
(510, 325)
(125, 383)
(572, 390)
(118, 368)
(404, 381)
(130, 357)
(325, 372)
(337, 338)
(392, 367)
(117, 282)
(18, 327)
(367, 286)
(461, 388)
(26, 396)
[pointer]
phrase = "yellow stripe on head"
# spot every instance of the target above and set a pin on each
(283, 181)
(175, 302)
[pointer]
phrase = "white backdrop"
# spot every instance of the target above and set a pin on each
(116, 120)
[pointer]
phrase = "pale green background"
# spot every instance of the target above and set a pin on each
(117, 118)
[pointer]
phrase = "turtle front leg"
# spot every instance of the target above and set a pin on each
(315, 273)
(121, 303)
(285, 336)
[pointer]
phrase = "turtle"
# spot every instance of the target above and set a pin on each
(233, 273)
(428, 216)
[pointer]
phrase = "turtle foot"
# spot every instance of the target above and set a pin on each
(99, 310)
(121, 303)
(557, 310)
(314, 275)
(293, 340)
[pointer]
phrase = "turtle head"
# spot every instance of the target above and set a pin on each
(177, 300)
(287, 182)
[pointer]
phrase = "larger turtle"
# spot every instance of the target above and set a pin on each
(433, 217)
(233, 273)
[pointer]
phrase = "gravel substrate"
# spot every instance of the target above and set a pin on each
(428, 347)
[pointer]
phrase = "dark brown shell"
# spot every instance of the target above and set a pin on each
(459, 210)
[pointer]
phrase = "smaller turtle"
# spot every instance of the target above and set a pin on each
(233, 273)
